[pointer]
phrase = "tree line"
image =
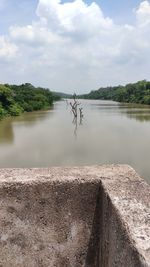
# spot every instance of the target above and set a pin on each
(138, 92)
(16, 99)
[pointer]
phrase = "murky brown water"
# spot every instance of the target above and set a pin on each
(109, 133)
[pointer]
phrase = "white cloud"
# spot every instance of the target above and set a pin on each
(7, 49)
(23, 34)
(35, 34)
(143, 14)
(73, 45)
(74, 16)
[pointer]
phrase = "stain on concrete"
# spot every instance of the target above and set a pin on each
(18, 240)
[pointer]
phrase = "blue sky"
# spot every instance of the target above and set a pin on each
(93, 43)
(16, 12)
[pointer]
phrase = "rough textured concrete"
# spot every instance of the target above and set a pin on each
(89, 216)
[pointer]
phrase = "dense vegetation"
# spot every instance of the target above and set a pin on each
(131, 93)
(15, 99)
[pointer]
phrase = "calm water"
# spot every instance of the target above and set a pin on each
(109, 133)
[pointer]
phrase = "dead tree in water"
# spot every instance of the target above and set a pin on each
(76, 112)
(74, 106)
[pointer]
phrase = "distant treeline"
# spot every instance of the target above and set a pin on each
(16, 99)
(63, 95)
(131, 93)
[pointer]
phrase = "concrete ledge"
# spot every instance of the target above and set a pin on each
(87, 216)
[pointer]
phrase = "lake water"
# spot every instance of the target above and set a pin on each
(109, 133)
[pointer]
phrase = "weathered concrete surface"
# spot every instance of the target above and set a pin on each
(124, 220)
(89, 216)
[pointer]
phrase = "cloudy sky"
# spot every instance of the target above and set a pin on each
(74, 45)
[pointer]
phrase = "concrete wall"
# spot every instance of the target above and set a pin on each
(89, 216)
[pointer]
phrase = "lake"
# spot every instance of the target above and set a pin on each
(109, 132)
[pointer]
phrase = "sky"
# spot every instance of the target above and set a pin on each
(74, 46)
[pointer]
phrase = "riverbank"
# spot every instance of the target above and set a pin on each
(16, 99)
(138, 93)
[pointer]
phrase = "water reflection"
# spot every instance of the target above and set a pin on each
(139, 117)
(26, 120)
(6, 132)
(31, 118)
(132, 111)
(139, 114)
(81, 121)
(77, 122)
